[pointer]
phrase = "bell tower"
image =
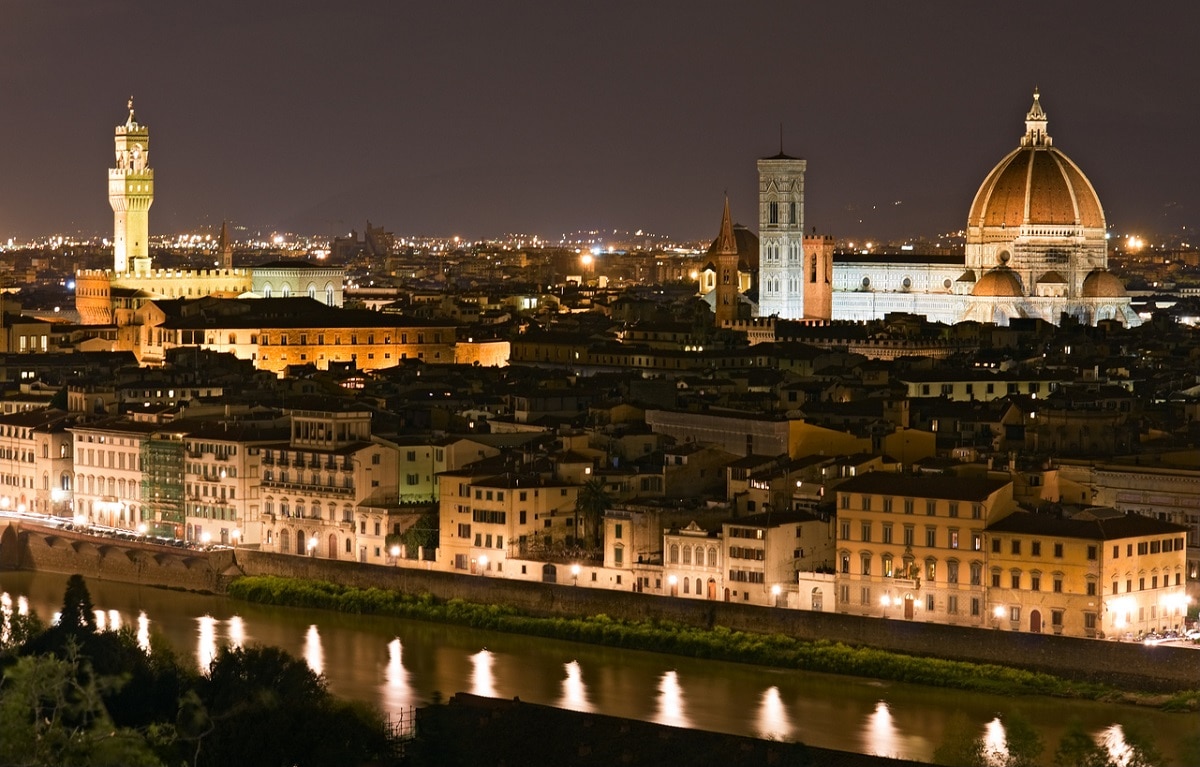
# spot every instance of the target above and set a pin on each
(781, 288)
(131, 193)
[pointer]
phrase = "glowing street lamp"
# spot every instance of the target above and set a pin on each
(394, 551)
(483, 564)
(312, 546)
(673, 582)
(575, 573)
(775, 592)
(236, 535)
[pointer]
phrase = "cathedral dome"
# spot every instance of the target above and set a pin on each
(1000, 282)
(1036, 185)
(1102, 284)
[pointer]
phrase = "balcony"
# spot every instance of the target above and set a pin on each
(299, 487)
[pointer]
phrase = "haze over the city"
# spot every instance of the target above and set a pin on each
(545, 117)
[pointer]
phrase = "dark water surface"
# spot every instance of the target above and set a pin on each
(395, 664)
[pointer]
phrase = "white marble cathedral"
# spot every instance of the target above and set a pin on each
(1035, 247)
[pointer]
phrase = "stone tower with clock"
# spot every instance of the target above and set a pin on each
(131, 193)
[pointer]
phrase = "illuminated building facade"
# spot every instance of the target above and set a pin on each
(1035, 247)
(113, 297)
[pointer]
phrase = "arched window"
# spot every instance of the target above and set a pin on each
(285, 541)
(687, 555)
(312, 293)
(931, 569)
(329, 294)
(674, 554)
(267, 290)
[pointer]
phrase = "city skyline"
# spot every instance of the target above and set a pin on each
(429, 120)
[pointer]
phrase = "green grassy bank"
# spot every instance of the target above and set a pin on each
(666, 637)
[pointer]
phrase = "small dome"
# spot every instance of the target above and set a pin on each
(1102, 284)
(1000, 282)
(1052, 278)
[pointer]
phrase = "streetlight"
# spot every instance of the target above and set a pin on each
(395, 552)
(236, 535)
(672, 581)
(575, 573)
(205, 538)
(483, 564)
(312, 546)
(775, 591)
(998, 614)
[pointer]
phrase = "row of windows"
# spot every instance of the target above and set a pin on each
(746, 552)
(487, 517)
(1166, 581)
(683, 555)
(1035, 548)
(286, 509)
(867, 502)
(747, 576)
(954, 537)
(283, 339)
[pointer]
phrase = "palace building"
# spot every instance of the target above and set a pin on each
(114, 296)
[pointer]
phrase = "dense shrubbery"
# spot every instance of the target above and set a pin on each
(718, 643)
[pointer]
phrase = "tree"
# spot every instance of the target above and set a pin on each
(1079, 749)
(52, 713)
(78, 612)
(1021, 742)
(1139, 746)
(592, 501)
(263, 706)
(962, 744)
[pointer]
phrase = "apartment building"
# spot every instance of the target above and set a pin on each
(490, 512)
(326, 491)
(912, 547)
(1098, 572)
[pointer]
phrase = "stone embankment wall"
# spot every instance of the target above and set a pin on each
(1122, 664)
(32, 547)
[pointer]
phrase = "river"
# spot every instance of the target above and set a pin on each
(398, 664)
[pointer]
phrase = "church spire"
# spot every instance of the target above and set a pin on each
(1035, 124)
(725, 240)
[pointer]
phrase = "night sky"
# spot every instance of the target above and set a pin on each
(481, 118)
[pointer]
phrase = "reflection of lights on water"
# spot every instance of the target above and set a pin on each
(313, 654)
(882, 738)
(482, 682)
(1112, 738)
(574, 694)
(396, 693)
(237, 632)
(995, 743)
(101, 620)
(773, 720)
(143, 631)
(670, 702)
(114, 620)
(5, 614)
(206, 646)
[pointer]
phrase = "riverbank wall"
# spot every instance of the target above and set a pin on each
(1124, 665)
(35, 547)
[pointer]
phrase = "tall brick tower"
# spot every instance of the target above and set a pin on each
(725, 308)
